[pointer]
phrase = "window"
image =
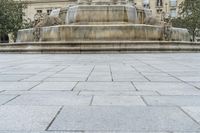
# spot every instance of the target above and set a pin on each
(173, 3)
(49, 11)
(159, 3)
(39, 11)
(173, 13)
(146, 4)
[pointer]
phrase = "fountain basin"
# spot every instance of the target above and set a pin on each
(118, 32)
(86, 14)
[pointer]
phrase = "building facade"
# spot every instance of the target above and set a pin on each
(159, 7)
(44, 6)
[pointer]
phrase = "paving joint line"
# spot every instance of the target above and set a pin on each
(78, 94)
(74, 86)
(30, 75)
(158, 93)
(140, 73)
(54, 118)
(192, 85)
(34, 86)
(144, 101)
(111, 74)
(54, 73)
(188, 115)
(134, 86)
(92, 99)
(11, 100)
(163, 72)
(90, 74)
(2, 91)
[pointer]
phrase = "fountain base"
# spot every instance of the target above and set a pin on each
(118, 32)
(100, 47)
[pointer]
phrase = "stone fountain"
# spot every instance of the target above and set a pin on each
(103, 20)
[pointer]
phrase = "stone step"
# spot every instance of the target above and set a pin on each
(100, 46)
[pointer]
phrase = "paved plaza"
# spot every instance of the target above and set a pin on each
(100, 93)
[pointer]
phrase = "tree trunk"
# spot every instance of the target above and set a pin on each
(193, 36)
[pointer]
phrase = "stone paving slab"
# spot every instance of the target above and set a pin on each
(162, 79)
(39, 77)
(13, 77)
(55, 86)
(51, 100)
(173, 100)
(106, 86)
(118, 93)
(194, 78)
(100, 93)
(157, 86)
(65, 79)
(196, 84)
(5, 98)
(124, 118)
(118, 100)
(26, 118)
(193, 111)
(71, 93)
(46, 132)
(83, 132)
(179, 92)
(129, 77)
(17, 85)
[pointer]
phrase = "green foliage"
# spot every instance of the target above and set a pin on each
(189, 11)
(11, 16)
(178, 22)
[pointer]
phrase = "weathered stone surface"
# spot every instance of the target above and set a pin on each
(13, 77)
(26, 118)
(51, 99)
(17, 85)
(117, 93)
(171, 106)
(162, 86)
(6, 98)
(173, 100)
(118, 100)
(55, 86)
(124, 118)
(193, 111)
(106, 86)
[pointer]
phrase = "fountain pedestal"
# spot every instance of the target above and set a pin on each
(103, 20)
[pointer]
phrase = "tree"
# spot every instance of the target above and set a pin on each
(11, 16)
(189, 16)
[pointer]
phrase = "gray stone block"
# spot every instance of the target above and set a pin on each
(12, 77)
(41, 92)
(117, 93)
(118, 100)
(26, 118)
(65, 79)
(51, 99)
(173, 100)
(6, 98)
(157, 86)
(194, 78)
(162, 79)
(55, 86)
(180, 92)
(106, 86)
(17, 85)
(83, 132)
(193, 111)
(120, 118)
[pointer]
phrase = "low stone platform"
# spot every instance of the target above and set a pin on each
(100, 93)
(100, 47)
